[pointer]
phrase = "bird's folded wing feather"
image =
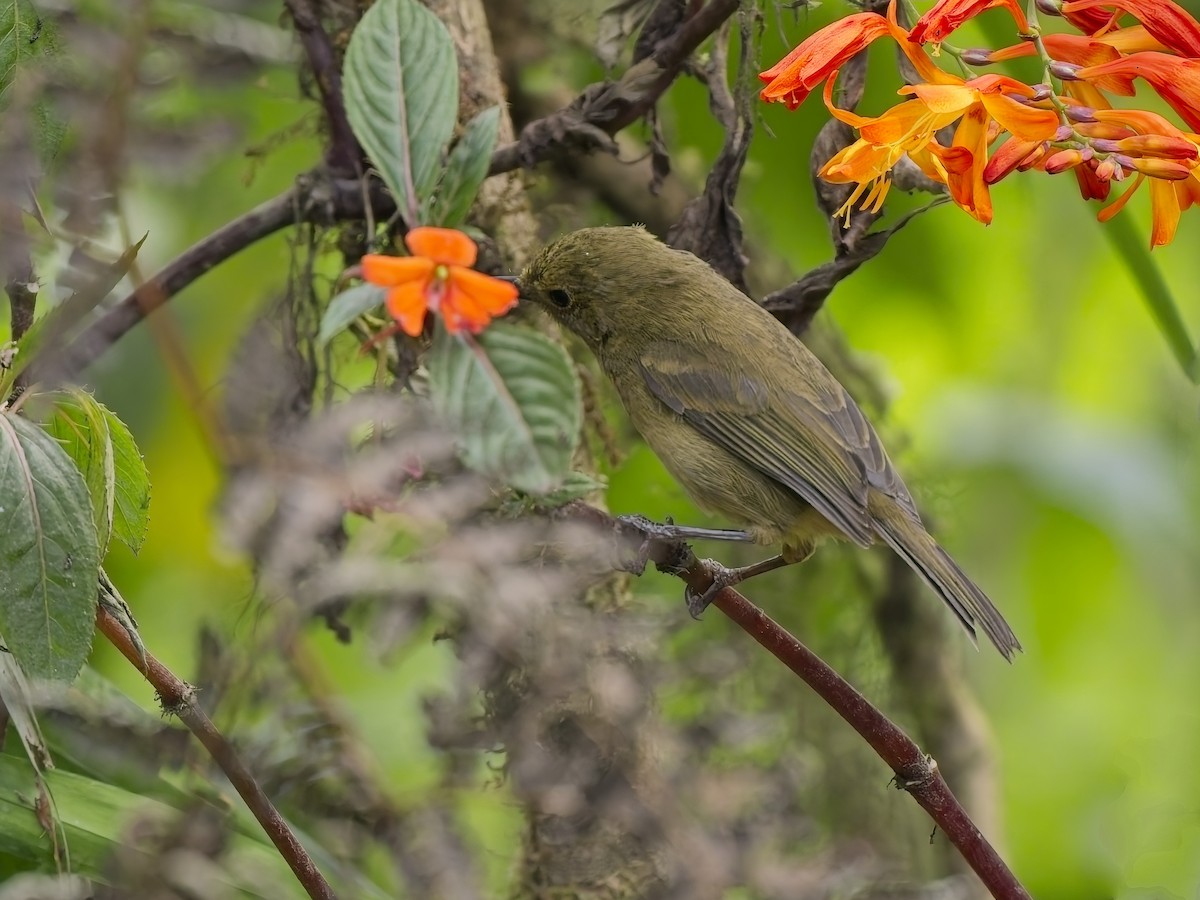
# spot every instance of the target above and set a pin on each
(816, 442)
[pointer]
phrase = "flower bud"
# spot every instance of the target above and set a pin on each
(1050, 7)
(1159, 145)
(1062, 160)
(1166, 169)
(1064, 70)
(976, 56)
(1081, 114)
(1108, 170)
(1007, 157)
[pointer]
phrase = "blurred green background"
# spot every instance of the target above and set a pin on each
(1035, 410)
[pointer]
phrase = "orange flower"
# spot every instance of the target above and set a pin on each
(1166, 21)
(911, 128)
(947, 15)
(1176, 80)
(438, 277)
(1076, 49)
(822, 53)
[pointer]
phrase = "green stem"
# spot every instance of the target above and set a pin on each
(1129, 244)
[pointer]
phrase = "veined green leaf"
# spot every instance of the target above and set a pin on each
(400, 86)
(78, 423)
(48, 553)
(513, 399)
(131, 500)
(346, 307)
(466, 169)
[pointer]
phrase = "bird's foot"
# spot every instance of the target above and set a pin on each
(722, 577)
(669, 531)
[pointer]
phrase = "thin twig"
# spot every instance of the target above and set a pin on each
(17, 268)
(312, 199)
(619, 109)
(343, 154)
(178, 698)
(914, 771)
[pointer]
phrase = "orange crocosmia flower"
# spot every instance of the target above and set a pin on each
(438, 277)
(1168, 22)
(1090, 21)
(1176, 80)
(1133, 39)
(1076, 49)
(822, 53)
(911, 128)
(947, 15)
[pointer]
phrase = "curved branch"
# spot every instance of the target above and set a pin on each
(602, 110)
(343, 153)
(312, 199)
(178, 698)
(914, 771)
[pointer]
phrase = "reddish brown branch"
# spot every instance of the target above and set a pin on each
(178, 698)
(914, 771)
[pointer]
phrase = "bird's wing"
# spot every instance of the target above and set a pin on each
(815, 442)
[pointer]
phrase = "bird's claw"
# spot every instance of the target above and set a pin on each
(722, 577)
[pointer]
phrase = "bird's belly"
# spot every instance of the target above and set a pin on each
(724, 485)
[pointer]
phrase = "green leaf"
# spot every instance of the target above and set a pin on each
(1132, 248)
(346, 307)
(466, 169)
(102, 448)
(400, 85)
(78, 423)
(513, 398)
(131, 507)
(48, 553)
(24, 37)
(92, 823)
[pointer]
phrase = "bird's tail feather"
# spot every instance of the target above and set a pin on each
(971, 605)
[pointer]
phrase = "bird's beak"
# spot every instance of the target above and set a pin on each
(511, 279)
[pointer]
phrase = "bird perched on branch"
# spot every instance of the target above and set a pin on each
(747, 419)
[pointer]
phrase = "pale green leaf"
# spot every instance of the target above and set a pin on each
(513, 399)
(79, 425)
(92, 821)
(400, 85)
(25, 37)
(131, 506)
(466, 169)
(346, 307)
(48, 553)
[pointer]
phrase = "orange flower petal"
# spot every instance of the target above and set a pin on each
(819, 56)
(1167, 22)
(1165, 211)
(446, 246)
(1119, 204)
(1176, 80)
(407, 304)
(473, 299)
(390, 271)
(947, 15)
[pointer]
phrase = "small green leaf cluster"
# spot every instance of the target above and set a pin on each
(511, 395)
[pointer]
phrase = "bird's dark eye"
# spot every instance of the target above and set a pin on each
(560, 298)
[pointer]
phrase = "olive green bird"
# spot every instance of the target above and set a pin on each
(749, 421)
